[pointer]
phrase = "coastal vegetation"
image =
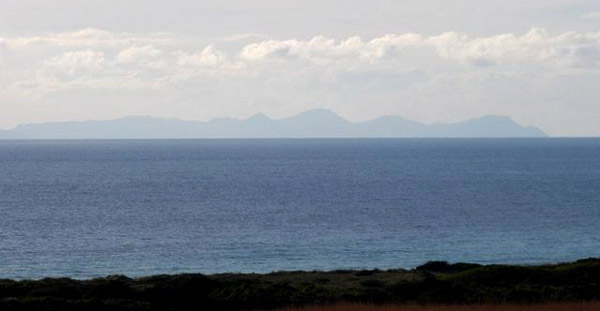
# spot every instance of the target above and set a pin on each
(460, 286)
(551, 306)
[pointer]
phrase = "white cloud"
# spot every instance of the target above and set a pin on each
(535, 46)
(90, 37)
(317, 48)
(268, 48)
(139, 54)
(73, 63)
(209, 56)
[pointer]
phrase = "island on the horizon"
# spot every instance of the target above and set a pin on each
(318, 123)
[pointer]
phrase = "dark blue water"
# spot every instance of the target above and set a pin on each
(91, 208)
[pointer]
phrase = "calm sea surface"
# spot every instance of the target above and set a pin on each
(90, 208)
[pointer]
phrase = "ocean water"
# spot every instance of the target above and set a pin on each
(90, 208)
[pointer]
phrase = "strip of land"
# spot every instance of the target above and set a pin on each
(432, 286)
(551, 306)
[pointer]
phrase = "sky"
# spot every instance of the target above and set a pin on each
(537, 61)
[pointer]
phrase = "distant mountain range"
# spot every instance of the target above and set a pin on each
(312, 123)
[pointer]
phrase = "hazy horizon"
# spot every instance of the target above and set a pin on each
(258, 113)
(315, 123)
(537, 62)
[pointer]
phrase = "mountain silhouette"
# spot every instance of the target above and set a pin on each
(312, 123)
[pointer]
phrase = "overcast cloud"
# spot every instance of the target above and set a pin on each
(537, 62)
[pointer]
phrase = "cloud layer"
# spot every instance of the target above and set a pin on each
(539, 78)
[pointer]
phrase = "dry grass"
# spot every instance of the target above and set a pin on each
(562, 306)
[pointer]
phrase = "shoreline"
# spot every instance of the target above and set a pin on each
(433, 283)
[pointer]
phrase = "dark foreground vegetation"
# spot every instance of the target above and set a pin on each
(548, 306)
(435, 283)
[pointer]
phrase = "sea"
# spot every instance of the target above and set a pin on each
(85, 209)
